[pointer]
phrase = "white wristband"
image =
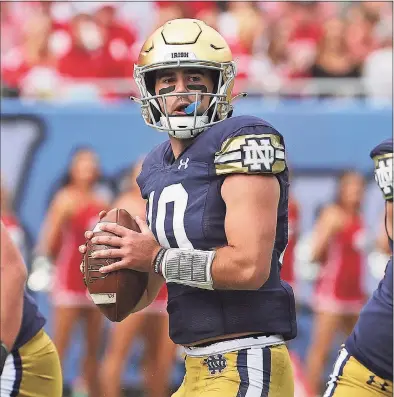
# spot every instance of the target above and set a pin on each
(188, 267)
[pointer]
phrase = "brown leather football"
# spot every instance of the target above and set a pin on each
(117, 293)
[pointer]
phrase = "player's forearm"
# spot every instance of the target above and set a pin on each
(13, 279)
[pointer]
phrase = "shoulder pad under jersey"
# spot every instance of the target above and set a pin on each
(382, 156)
(249, 145)
(152, 159)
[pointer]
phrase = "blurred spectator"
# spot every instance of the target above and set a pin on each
(10, 35)
(99, 49)
(333, 59)
(273, 43)
(360, 25)
(306, 17)
(378, 65)
(304, 20)
(241, 24)
(31, 66)
(119, 39)
(270, 67)
(168, 10)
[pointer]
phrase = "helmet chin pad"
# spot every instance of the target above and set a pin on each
(183, 127)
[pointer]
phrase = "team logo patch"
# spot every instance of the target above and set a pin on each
(216, 363)
(258, 154)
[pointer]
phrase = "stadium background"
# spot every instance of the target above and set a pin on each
(54, 100)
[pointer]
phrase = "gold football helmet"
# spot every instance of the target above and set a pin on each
(177, 44)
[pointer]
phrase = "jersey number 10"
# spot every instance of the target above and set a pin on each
(171, 194)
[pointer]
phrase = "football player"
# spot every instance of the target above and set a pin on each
(29, 363)
(217, 211)
(364, 366)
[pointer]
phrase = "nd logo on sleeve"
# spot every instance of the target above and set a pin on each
(384, 174)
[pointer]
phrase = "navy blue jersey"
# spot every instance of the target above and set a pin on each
(186, 210)
(32, 321)
(371, 341)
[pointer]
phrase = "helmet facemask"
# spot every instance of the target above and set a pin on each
(154, 106)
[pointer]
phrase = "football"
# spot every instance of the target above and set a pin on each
(117, 293)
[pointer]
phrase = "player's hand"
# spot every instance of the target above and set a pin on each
(134, 250)
(88, 235)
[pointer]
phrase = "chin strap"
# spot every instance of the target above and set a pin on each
(240, 95)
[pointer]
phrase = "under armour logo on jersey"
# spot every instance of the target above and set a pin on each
(384, 175)
(259, 154)
(183, 163)
(382, 386)
(215, 363)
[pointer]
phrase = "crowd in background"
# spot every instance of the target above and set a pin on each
(82, 50)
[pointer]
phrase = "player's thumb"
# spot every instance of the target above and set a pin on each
(142, 225)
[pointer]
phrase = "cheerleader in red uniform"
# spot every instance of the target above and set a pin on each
(74, 209)
(337, 245)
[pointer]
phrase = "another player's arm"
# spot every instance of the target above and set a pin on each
(389, 218)
(326, 226)
(13, 276)
(382, 242)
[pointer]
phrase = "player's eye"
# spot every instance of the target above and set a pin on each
(167, 80)
(195, 79)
